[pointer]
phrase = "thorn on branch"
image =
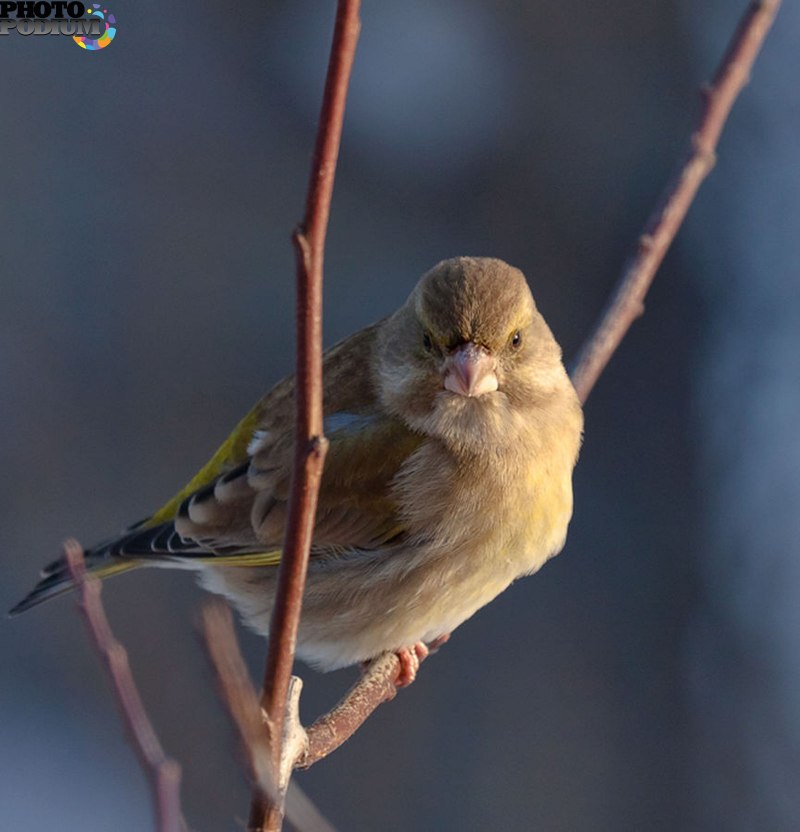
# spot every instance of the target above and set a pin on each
(302, 245)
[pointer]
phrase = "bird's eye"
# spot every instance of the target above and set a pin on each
(426, 342)
(516, 340)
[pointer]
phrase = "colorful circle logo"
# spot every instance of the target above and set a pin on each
(111, 30)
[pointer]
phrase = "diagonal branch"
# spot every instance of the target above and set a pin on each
(241, 702)
(627, 302)
(236, 691)
(377, 685)
(163, 773)
(310, 444)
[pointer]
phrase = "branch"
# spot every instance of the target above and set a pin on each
(374, 688)
(236, 691)
(310, 444)
(378, 684)
(163, 773)
(627, 302)
(241, 701)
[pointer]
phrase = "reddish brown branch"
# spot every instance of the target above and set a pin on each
(310, 444)
(627, 302)
(240, 699)
(375, 687)
(236, 691)
(163, 773)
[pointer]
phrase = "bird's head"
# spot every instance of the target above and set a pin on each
(468, 352)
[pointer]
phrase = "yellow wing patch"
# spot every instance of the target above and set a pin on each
(107, 569)
(233, 450)
(254, 559)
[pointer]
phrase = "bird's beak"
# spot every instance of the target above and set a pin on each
(470, 370)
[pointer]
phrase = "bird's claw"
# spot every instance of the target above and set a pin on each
(410, 659)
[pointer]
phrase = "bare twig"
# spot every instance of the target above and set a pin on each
(627, 302)
(242, 704)
(310, 444)
(163, 773)
(376, 686)
(237, 692)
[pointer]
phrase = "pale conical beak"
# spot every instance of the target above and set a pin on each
(470, 370)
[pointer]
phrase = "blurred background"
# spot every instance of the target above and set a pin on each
(649, 677)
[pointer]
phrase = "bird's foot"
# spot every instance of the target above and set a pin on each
(410, 659)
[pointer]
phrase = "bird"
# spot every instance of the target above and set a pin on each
(453, 433)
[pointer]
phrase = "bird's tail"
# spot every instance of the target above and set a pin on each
(55, 578)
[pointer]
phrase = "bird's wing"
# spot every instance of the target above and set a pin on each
(234, 508)
(347, 379)
(238, 517)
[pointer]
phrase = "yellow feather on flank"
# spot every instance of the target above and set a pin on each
(106, 570)
(232, 451)
(255, 559)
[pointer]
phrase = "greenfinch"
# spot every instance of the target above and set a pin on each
(454, 430)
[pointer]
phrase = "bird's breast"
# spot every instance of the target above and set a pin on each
(511, 509)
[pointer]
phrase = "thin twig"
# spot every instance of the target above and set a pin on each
(627, 302)
(237, 692)
(163, 773)
(310, 444)
(241, 701)
(376, 686)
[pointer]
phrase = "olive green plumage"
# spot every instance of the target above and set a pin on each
(453, 433)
